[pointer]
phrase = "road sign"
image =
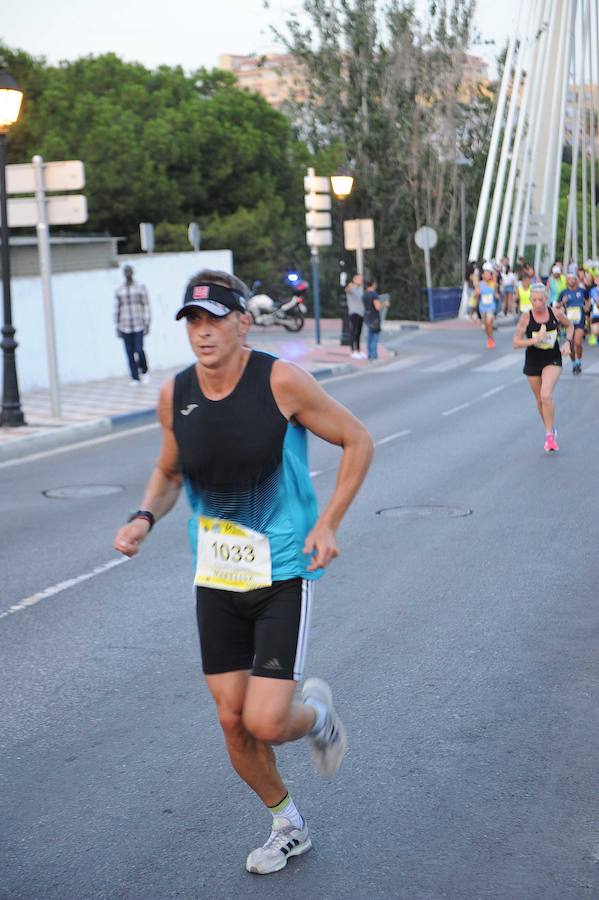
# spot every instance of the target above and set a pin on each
(319, 184)
(67, 175)
(318, 220)
(316, 237)
(426, 238)
(358, 234)
(318, 201)
(68, 210)
(194, 235)
(146, 236)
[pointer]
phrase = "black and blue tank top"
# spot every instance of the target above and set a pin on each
(243, 461)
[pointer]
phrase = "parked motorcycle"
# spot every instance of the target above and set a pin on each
(289, 313)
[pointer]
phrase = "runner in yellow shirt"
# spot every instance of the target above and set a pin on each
(524, 304)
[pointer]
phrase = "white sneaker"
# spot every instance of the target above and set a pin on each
(356, 355)
(145, 378)
(330, 745)
(285, 840)
(362, 355)
(133, 383)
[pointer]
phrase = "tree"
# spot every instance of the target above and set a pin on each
(168, 147)
(387, 88)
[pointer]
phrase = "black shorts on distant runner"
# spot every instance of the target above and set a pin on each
(535, 368)
(264, 631)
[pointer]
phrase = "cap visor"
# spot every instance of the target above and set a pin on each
(211, 306)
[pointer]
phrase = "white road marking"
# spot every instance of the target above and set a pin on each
(393, 437)
(462, 359)
(455, 409)
(78, 446)
(495, 390)
(502, 362)
(403, 363)
(61, 586)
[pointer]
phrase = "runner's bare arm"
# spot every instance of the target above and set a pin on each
(519, 340)
(301, 398)
(164, 483)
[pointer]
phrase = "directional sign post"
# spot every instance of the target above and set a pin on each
(358, 235)
(318, 222)
(41, 211)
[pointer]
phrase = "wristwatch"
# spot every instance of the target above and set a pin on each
(143, 514)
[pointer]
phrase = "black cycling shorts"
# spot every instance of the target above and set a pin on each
(534, 367)
(265, 630)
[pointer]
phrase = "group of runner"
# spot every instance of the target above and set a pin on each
(564, 306)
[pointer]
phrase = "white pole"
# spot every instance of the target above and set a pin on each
(535, 140)
(516, 161)
(43, 247)
(573, 200)
(585, 218)
(554, 162)
(592, 126)
(565, 80)
(554, 147)
(525, 168)
(481, 212)
(523, 47)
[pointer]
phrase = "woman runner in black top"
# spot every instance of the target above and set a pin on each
(538, 332)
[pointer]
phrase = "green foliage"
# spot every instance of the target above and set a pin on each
(168, 147)
(384, 85)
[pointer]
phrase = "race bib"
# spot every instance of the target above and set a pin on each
(549, 342)
(232, 557)
(574, 313)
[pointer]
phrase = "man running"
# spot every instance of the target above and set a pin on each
(594, 297)
(487, 295)
(537, 331)
(572, 300)
(234, 433)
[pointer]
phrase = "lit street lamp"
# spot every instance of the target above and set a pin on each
(10, 104)
(342, 184)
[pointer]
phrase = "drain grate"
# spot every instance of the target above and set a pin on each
(425, 512)
(79, 491)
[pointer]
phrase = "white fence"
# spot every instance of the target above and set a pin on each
(87, 345)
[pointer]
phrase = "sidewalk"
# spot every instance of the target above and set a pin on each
(95, 408)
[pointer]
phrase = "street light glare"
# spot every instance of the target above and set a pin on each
(342, 185)
(10, 100)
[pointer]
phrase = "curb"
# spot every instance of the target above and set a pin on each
(71, 435)
(50, 440)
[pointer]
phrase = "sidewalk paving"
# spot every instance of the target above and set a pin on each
(95, 408)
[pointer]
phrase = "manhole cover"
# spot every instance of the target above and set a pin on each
(425, 512)
(76, 491)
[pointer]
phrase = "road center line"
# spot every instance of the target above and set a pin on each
(61, 586)
(392, 437)
(455, 409)
(495, 390)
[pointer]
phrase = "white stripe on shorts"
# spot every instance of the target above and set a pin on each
(304, 629)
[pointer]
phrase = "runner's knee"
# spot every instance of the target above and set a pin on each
(266, 727)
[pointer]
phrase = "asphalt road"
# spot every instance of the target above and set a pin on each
(462, 651)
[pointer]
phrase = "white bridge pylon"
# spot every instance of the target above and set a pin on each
(547, 98)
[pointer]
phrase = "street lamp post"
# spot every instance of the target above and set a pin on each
(342, 184)
(11, 414)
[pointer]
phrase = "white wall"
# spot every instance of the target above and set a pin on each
(87, 345)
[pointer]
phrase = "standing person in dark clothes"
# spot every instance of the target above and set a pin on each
(372, 317)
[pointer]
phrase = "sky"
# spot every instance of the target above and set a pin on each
(178, 32)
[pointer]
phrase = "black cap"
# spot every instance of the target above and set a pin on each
(216, 299)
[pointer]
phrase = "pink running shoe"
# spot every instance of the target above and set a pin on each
(550, 444)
